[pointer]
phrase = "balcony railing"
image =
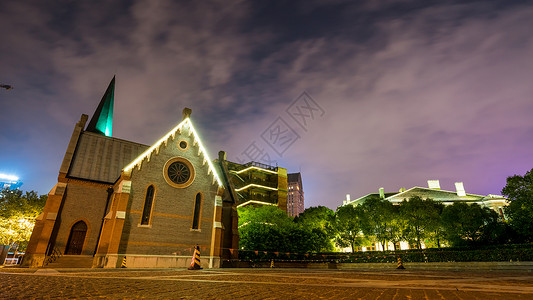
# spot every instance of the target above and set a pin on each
(260, 165)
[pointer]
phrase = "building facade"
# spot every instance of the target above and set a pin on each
(258, 184)
(118, 201)
(295, 195)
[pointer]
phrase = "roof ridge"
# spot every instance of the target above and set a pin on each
(137, 162)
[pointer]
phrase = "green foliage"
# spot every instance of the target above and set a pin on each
(17, 215)
(348, 224)
(320, 221)
(421, 219)
(267, 228)
(319, 217)
(264, 215)
(376, 220)
(519, 190)
(465, 224)
(380, 220)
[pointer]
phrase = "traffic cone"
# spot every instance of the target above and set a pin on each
(195, 263)
(400, 264)
(123, 265)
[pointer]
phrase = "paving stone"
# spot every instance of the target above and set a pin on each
(261, 284)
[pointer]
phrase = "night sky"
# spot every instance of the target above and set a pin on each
(403, 91)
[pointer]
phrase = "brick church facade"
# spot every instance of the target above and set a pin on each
(117, 199)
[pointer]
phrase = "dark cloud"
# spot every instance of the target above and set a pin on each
(412, 90)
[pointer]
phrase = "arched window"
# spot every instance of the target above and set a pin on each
(147, 210)
(76, 238)
(197, 208)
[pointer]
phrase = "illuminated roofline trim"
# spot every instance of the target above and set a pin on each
(172, 132)
(256, 185)
(254, 167)
(255, 201)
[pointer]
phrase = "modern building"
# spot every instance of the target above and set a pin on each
(258, 184)
(118, 201)
(433, 191)
(295, 195)
(9, 182)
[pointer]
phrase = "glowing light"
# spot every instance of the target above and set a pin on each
(257, 202)
(263, 223)
(172, 132)
(9, 177)
(256, 185)
(201, 146)
(254, 167)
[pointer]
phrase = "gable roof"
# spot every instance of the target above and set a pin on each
(186, 124)
(101, 158)
(437, 195)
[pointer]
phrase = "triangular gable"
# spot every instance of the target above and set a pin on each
(186, 124)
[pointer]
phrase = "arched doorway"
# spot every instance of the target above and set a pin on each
(76, 238)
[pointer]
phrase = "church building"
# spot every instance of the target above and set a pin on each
(118, 202)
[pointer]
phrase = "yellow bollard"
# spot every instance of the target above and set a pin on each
(123, 265)
(400, 264)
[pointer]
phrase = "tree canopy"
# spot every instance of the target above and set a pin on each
(268, 228)
(348, 225)
(519, 190)
(18, 211)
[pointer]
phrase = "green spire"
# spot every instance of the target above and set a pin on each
(102, 120)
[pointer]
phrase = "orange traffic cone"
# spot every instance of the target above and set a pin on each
(195, 263)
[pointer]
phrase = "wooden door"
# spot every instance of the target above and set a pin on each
(76, 238)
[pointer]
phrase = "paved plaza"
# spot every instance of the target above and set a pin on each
(262, 284)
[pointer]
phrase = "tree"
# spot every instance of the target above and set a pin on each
(519, 190)
(320, 221)
(379, 220)
(466, 224)
(268, 228)
(317, 217)
(264, 228)
(348, 224)
(421, 218)
(18, 212)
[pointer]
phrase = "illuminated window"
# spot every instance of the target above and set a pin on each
(147, 210)
(197, 208)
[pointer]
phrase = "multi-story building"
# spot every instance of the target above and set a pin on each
(258, 184)
(295, 195)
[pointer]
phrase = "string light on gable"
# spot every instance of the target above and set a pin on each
(186, 123)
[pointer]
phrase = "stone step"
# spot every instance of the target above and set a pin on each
(71, 261)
